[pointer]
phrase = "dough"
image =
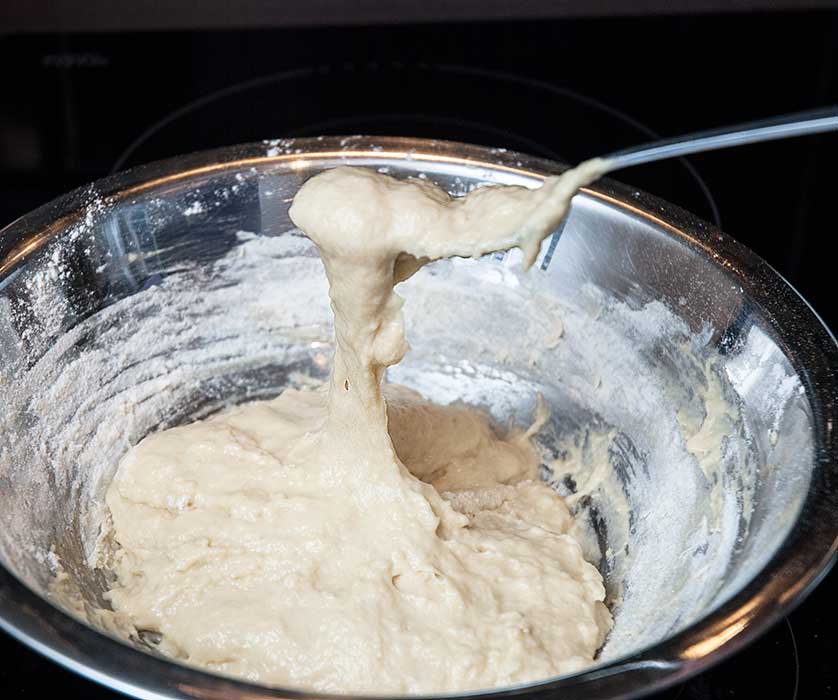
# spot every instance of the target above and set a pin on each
(354, 539)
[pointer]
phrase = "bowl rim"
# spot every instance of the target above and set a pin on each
(804, 558)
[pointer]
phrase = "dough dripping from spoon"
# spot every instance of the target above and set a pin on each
(358, 538)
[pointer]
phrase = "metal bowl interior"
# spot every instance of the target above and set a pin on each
(170, 291)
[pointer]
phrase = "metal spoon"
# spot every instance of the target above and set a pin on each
(814, 121)
(799, 124)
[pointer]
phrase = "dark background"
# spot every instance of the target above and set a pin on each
(75, 105)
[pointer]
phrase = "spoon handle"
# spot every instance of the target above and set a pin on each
(799, 124)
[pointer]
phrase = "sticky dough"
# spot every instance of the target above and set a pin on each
(353, 538)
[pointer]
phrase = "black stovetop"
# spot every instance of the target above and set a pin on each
(77, 107)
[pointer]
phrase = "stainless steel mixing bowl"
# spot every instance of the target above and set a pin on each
(169, 291)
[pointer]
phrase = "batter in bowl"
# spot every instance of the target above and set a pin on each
(356, 538)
